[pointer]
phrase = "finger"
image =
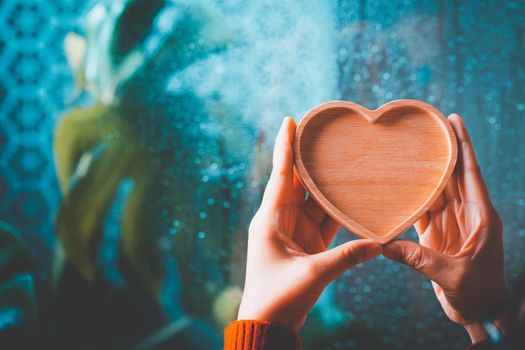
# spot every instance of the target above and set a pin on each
(298, 189)
(329, 228)
(422, 223)
(279, 190)
(465, 150)
(434, 265)
(470, 181)
(451, 189)
(333, 262)
(314, 210)
(438, 204)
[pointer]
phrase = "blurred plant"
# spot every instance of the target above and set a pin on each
(139, 134)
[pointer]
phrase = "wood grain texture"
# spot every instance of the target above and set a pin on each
(375, 171)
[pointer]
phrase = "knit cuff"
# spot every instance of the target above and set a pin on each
(259, 335)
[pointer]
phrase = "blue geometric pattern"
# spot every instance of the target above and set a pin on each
(35, 83)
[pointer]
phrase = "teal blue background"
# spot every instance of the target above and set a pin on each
(461, 56)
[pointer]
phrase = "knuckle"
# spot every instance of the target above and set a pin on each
(416, 259)
(350, 255)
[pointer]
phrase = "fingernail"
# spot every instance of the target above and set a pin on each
(374, 250)
(392, 250)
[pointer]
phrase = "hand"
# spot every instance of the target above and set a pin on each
(288, 263)
(461, 247)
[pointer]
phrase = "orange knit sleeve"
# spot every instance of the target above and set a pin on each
(259, 335)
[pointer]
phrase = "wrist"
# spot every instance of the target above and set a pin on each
(259, 335)
(495, 329)
(265, 314)
(476, 332)
(257, 311)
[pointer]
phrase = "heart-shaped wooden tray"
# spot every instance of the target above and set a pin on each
(375, 171)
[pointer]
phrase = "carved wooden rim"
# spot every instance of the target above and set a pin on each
(373, 116)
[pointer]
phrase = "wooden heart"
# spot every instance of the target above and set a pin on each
(375, 171)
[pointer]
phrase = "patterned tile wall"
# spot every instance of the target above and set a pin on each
(35, 86)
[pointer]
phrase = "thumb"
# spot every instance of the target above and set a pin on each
(332, 263)
(434, 265)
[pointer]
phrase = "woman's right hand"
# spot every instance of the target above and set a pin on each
(289, 260)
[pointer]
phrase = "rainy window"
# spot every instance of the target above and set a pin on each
(136, 139)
